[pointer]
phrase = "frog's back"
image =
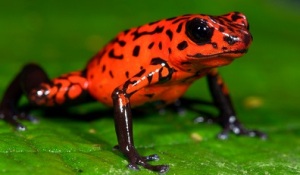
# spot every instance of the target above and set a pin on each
(189, 45)
(126, 55)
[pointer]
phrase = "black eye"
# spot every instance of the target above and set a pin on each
(198, 31)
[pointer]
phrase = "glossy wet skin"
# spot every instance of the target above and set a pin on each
(189, 44)
(154, 62)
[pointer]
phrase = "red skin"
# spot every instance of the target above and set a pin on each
(100, 82)
(102, 90)
(154, 62)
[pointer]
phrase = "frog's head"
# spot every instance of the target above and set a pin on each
(212, 41)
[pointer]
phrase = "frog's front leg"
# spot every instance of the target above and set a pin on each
(158, 71)
(34, 83)
(228, 119)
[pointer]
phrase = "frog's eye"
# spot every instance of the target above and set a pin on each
(198, 31)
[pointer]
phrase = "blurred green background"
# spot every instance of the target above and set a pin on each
(62, 36)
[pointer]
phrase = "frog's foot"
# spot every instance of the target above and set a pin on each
(135, 160)
(230, 125)
(143, 161)
(14, 119)
(206, 118)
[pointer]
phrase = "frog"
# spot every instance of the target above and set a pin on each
(155, 62)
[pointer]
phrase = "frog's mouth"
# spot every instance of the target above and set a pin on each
(229, 54)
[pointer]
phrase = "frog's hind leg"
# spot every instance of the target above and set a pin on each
(68, 89)
(33, 82)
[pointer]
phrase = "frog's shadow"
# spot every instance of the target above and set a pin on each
(139, 113)
(179, 107)
(88, 116)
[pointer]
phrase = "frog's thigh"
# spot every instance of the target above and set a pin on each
(67, 89)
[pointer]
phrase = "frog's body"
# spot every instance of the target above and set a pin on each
(154, 62)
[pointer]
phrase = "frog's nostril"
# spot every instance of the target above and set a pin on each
(231, 39)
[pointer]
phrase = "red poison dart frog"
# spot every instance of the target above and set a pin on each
(156, 62)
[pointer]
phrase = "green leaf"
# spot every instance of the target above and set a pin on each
(61, 36)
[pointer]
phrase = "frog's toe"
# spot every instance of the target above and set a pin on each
(206, 119)
(27, 117)
(153, 157)
(143, 161)
(14, 119)
(135, 160)
(20, 127)
(238, 129)
(254, 133)
(223, 135)
(133, 166)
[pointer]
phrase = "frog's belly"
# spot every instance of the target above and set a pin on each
(165, 93)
